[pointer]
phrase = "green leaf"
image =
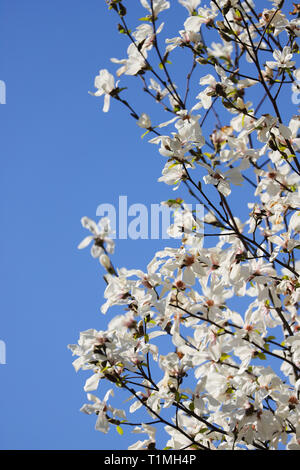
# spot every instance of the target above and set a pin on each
(224, 357)
(192, 406)
(269, 338)
(145, 133)
(203, 430)
(176, 202)
(121, 29)
(173, 165)
(120, 430)
(184, 397)
(220, 330)
(261, 356)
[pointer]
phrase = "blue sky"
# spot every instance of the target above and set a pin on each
(59, 154)
(60, 158)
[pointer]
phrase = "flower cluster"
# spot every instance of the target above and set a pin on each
(211, 329)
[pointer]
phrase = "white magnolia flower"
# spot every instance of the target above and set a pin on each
(274, 18)
(144, 35)
(282, 59)
(159, 92)
(294, 26)
(105, 83)
(135, 62)
(204, 15)
(220, 50)
(101, 236)
(158, 6)
(222, 180)
(214, 88)
(144, 445)
(186, 37)
(172, 174)
(101, 409)
(190, 5)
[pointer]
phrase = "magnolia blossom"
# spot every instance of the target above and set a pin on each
(100, 408)
(190, 5)
(158, 6)
(204, 16)
(135, 62)
(282, 59)
(294, 26)
(185, 38)
(144, 35)
(101, 236)
(214, 88)
(172, 174)
(105, 83)
(275, 18)
(222, 180)
(220, 50)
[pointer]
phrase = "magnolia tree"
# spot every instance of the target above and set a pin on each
(230, 377)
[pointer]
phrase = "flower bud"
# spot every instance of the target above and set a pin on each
(144, 121)
(105, 261)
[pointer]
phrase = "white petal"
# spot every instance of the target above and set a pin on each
(155, 334)
(188, 276)
(85, 242)
(90, 225)
(224, 188)
(193, 23)
(135, 406)
(92, 383)
(102, 424)
(106, 103)
(109, 393)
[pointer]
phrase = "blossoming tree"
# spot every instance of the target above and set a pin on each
(231, 377)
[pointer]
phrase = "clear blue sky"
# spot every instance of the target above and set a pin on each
(60, 158)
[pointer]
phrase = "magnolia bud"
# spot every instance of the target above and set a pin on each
(105, 261)
(144, 121)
